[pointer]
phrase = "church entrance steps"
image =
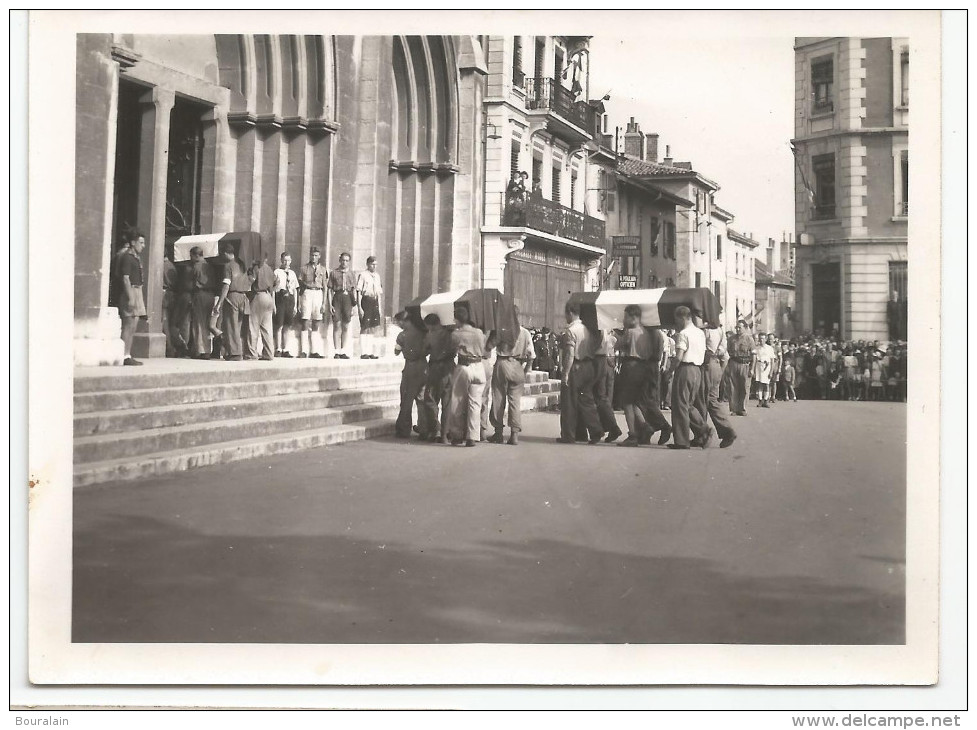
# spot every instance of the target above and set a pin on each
(172, 415)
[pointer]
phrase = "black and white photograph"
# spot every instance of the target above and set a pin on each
(392, 355)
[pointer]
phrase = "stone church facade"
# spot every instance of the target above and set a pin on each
(371, 145)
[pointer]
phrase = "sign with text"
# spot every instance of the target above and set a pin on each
(626, 248)
(627, 281)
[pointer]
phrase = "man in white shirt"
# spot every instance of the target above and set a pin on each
(286, 305)
(712, 372)
(369, 291)
(690, 352)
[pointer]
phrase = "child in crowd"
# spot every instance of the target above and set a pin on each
(787, 377)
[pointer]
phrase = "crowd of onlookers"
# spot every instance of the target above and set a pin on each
(823, 368)
(807, 367)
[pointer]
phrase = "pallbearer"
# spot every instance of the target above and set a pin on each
(441, 363)
(690, 349)
(202, 304)
(512, 365)
(577, 391)
(712, 373)
(604, 385)
(261, 324)
(468, 380)
(410, 342)
(639, 358)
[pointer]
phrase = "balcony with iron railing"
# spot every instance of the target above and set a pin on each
(543, 94)
(544, 215)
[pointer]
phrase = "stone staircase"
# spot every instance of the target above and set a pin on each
(173, 415)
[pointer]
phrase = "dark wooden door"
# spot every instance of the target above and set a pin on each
(540, 283)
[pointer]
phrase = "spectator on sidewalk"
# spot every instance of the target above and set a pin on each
(342, 300)
(763, 362)
(369, 302)
(740, 365)
(312, 308)
(787, 378)
(129, 282)
(286, 305)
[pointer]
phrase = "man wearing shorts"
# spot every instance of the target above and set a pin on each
(131, 304)
(369, 293)
(286, 304)
(312, 283)
(342, 299)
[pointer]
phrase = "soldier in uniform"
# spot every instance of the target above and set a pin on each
(410, 342)
(740, 348)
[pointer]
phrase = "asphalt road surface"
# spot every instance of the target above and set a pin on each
(795, 535)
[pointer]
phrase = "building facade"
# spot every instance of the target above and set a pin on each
(740, 299)
(774, 302)
(545, 241)
(851, 148)
(370, 144)
(666, 229)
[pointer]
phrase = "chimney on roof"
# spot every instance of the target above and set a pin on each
(667, 160)
(651, 147)
(633, 140)
(607, 140)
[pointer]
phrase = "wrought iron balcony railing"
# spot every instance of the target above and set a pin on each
(543, 93)
(549, 217)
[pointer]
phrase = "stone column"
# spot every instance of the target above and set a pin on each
(153, 155)
(97, 326)
(498, 248)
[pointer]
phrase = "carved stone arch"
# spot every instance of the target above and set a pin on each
(405, 106)
(422, 85)
(329, 95)
(445, 97)
(235, 69)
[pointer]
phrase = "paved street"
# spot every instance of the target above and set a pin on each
(795, 535)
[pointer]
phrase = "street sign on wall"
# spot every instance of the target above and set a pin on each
(626, 248)
(627, 281)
